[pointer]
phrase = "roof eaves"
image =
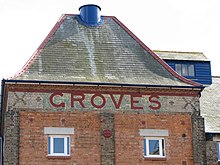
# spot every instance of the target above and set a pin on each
(213, 132)
(197, 56)
(169, 51)
(102, 84)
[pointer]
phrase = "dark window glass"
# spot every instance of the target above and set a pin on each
(163, 148)
(68, 145)
(145, 149)
(58, 145)
(48, 145)
(154, 147)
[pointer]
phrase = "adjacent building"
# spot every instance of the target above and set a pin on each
(210, 110)
(191, 65)
(93, 93)
(195, 66)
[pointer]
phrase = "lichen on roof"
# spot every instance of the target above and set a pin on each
(107, 53)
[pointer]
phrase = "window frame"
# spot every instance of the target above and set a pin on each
(187, 67)
(50, 145)
(162, 148)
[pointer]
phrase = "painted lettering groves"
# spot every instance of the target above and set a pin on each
(99, 100)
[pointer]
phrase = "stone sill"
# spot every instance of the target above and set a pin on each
(155, 159)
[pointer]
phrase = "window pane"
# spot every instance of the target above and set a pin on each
(184, 70)
(48, 147)
(154, 147)
(68, 145)
(145, 147)
(58, 145)
(191, 70)
(178, 68)
(163, 148)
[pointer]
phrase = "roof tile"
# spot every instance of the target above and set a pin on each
(109, 53)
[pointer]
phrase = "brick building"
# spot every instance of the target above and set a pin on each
(93, 93)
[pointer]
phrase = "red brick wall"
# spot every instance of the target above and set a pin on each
(85, 144)
(129, 143)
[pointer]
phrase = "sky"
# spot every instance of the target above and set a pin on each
(172, 25)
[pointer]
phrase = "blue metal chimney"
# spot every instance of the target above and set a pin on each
(90, 15)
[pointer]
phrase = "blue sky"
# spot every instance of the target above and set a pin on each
(176, 25)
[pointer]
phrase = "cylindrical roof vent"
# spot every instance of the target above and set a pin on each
(90, 14)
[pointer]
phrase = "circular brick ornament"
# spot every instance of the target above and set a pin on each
(107, 133)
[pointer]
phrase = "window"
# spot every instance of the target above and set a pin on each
(58, 140)
(154, 142)
(185, 69)
(154, 147)
(58, 145)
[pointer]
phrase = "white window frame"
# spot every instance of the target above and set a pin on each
(161, 147)
(51, 144)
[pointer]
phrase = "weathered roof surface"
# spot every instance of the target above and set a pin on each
(186, 56)
(210, 106)
(109, 53)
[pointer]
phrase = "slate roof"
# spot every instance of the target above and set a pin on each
(185, 56)
(210, 106)
(109, 53)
